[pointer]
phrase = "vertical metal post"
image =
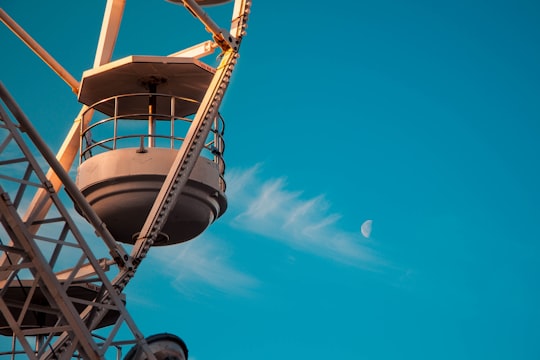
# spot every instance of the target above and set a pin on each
(173, 113)
(115, 130)
(81, 141)
(216, 153)
(151, 111)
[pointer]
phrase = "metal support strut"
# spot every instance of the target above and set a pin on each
(30, 257)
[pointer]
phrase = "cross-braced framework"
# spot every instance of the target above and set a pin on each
(57, 299)
(54, 284)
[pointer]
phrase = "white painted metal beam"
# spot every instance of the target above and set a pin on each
(197, 51)
(39, 51)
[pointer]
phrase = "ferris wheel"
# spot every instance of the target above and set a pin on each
(148, 146)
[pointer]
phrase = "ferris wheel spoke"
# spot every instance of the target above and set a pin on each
(39, 51)
(109, 31)
(197, 51)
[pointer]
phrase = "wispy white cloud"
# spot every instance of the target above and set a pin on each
(270, 209)
(201, 262)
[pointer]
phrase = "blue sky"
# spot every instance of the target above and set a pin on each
(421, 116)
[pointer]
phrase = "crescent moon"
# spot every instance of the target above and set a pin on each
(365, 229)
